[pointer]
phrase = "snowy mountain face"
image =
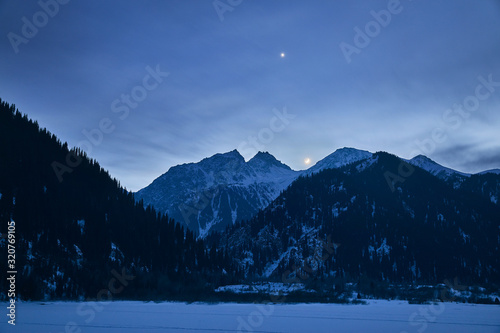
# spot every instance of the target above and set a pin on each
(219, 190)
(493, 171)
(443, 172)
(339, 158)
(434, 168)
(456, 178)
(453, 177)
(222, 189)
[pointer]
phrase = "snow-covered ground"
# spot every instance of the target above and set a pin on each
(376, 316)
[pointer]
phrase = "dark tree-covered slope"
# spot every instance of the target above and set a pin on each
(76, 227)
(416, 229)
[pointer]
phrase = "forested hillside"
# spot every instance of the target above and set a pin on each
(348, 225)
(77, 228)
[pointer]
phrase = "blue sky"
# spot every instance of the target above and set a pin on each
(415, 63)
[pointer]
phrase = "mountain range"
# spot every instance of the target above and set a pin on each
(346, 224)
(370, 220)
(220, 190)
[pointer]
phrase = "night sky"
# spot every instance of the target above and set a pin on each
(159, 83)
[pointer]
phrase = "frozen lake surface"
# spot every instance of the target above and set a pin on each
(376, 316)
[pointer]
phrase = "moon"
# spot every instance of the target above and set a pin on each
(307, 161)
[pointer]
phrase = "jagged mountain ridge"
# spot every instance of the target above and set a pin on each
(426, 231)
(219, 190)
(453, 177)
(434, 168)
(339, 158)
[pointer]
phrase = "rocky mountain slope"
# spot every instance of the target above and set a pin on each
(219, 190)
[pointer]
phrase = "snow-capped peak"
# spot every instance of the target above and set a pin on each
(494, 171)
(223, 188)
(266, 160)
(339, 158)
(434, 168)
(218, 190)
(229, 160)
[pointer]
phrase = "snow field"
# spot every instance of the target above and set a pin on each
(376, 316)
